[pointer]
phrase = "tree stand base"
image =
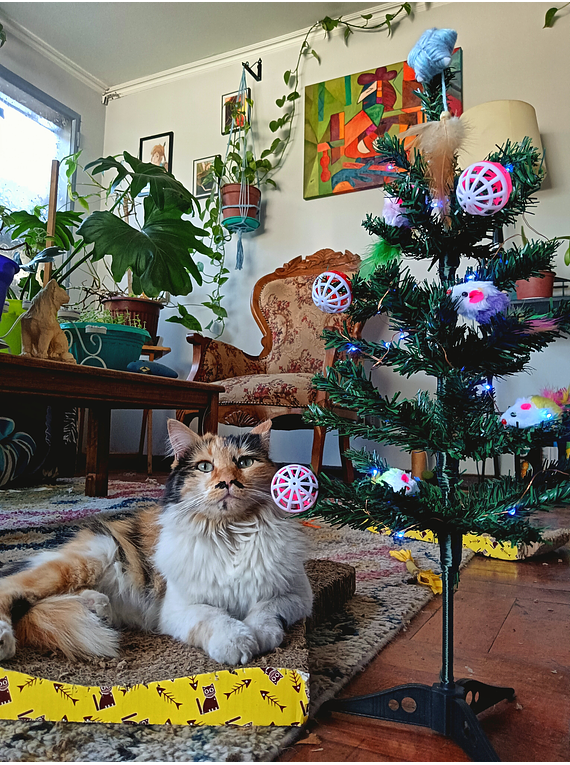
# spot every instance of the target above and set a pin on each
(451, 711)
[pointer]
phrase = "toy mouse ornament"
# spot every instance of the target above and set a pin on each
(531, 412)
(398, 480)
(478, 300)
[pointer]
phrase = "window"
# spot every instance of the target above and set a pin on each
(34, 130)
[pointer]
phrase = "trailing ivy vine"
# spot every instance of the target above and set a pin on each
(288, 102)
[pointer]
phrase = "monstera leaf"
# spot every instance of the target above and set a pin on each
(159, 254)
(163, 186)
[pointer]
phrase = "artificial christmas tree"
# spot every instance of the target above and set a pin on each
(460, 330)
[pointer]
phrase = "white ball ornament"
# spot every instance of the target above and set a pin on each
(484, 188)
(294, 488)
(331, 292)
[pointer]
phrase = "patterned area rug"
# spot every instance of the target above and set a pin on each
(384, 602)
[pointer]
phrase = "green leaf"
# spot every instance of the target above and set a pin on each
(274, 125)
(523, 236)
(347, 33)
(316, 55)
(366, 16)
(280, 101)
(408, 8)
(293, 96)
(186, 319)
(329, 24)
(158, 255)
(550, 17)
(287, 76)
(2, 36)
(271, 182)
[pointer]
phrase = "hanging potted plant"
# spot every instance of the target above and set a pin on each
(240, 175)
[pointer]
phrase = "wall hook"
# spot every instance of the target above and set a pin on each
(256, 77)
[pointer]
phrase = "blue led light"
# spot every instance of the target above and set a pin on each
(374, 471)
(509, 167)
(512, 511)
(352, 349)
(471, 277)
(487, 387)
(400, 534)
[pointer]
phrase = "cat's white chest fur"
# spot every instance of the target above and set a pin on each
(233, 568)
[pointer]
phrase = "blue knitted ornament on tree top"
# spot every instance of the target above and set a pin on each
(432, 53)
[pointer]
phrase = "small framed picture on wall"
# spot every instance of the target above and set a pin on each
(157, 149)
(235, 105)
(204, 180)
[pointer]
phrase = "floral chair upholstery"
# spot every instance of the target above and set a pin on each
(278, 381)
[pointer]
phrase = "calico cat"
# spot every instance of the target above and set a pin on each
(218, 565)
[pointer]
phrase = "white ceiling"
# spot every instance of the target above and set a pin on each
(120, 42)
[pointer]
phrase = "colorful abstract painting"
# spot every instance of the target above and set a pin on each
(343, 117)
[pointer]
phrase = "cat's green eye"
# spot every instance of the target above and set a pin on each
(205, 467)
(245, 462)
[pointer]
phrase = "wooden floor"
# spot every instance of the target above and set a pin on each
(512, 628)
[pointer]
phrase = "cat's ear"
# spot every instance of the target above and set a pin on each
(262, 430)
(182, 439)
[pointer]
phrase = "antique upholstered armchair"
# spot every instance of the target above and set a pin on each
(277, 383)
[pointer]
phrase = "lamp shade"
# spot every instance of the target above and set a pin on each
(490, 124)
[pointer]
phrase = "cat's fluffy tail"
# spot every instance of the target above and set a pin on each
(71, 624)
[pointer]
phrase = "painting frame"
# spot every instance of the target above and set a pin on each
(164, 145)
(199, 189)
(226, 116)
(344, 115)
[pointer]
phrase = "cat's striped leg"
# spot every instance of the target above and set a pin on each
(223, 638)
(27, 597)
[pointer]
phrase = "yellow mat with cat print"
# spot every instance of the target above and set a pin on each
(243, 697)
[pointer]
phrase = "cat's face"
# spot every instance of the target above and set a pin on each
(217, 477)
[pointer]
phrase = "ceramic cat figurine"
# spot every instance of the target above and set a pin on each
(218, 565)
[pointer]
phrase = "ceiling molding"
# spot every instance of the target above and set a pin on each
(257, 50)
(160, 78)
(37, 44)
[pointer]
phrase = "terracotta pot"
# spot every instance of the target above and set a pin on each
(147, 311)
(233, 213)
(536, 287)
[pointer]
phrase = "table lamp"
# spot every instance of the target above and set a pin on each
(490, 124)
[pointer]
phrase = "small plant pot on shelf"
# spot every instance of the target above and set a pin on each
(109, 346)
(240, 207)
(144, 309)
(536, 286)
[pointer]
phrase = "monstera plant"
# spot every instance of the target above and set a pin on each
(159, 248)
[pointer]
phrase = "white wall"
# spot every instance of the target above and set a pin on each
(506, 55)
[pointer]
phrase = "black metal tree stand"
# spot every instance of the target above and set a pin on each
(449, 707)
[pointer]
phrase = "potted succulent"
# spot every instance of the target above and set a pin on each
(101, 339)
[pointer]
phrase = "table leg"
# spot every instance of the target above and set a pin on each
(149, 443)
(98, 439)
(211, 415)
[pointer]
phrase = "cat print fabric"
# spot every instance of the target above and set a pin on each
(218, 565)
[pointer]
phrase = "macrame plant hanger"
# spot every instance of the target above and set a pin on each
(241, 213)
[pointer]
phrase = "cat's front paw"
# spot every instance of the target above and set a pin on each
(269, 632)
(7, 641)
(235, 645)
(98, 603)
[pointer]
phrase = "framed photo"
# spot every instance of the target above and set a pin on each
(203, 184)
(157, 149)
(231, 105)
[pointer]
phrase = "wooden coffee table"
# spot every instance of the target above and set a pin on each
(101, 390)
